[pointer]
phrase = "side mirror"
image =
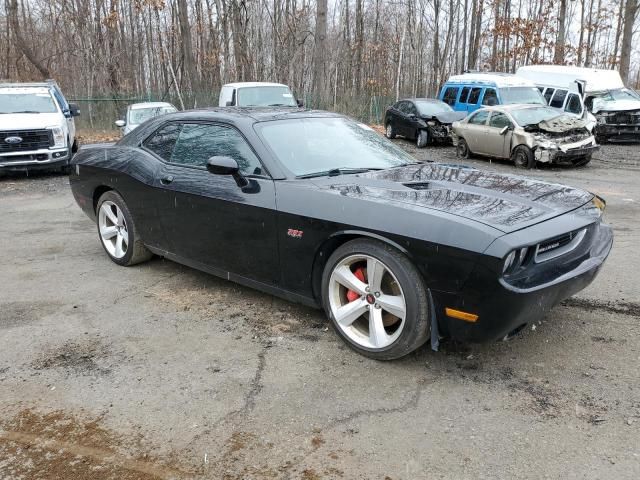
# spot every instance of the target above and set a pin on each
(300, 103)
(504, 130)
(74, 110)
(229, 104)
(120, 123)
(222, 165)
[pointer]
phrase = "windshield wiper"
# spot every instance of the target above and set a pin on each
(279, 105)
(334, 172)
(27, 111)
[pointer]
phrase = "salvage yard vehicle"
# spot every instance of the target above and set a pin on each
(471, 91)
(526, 134)
(138, 113)
(37, 127)
(616, 108)
(319, 209)
(257, 94)
(424, 120)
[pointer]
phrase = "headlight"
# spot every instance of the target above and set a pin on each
(515, 259)
(599, 203)
(58, 137)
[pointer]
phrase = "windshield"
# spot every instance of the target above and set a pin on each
(617, 94)
(511, 95)
(433, 108)
(27, 103)
(140, 115)
(533, 116)
(315, 145)
(265, 97)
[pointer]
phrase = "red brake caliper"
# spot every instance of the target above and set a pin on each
(351, 295)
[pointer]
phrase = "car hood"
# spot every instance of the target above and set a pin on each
(505, 202)
(447, 117)
(29, 121)
(615, 106)
(560, 124)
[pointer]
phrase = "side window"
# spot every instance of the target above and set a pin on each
(541, 89)
(573, 104)
(200, 141)
(548, 94)
(499, 120)
(450, 95)
(474, 96)
(412, 109)
(163, 141)
(490, 97)
(64, 106)
(402, 106)
(464, 94)
(479, 118)
(557, 101)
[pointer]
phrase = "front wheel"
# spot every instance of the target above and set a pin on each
(422, 138)
(390, 131)
(376, 299)
(117, 231)
(522, 157)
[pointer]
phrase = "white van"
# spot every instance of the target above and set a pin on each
(257, 94)
(616, 108)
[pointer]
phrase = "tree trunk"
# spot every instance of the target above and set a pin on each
(319, 50)
(189, 63)
(630, 11)
(21, 42)
(558, 57)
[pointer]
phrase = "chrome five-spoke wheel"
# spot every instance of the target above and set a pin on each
(113, 229)
(367, 301)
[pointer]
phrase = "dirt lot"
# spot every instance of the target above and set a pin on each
(159, 371)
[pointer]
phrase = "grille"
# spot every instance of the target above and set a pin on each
(623, 118)
(555, 243)
(31, 140)
(559, 245)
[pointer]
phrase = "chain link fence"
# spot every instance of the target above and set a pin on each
(99, 112)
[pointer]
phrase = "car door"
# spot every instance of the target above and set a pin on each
(498, 144)
(394, 117)
(475, 131)
(403, 118)
(66, 111)
(413, 120)
(208, 219)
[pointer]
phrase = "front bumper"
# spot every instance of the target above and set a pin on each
(564, 155)
(504, 309)
(35, 159)
(624, 132)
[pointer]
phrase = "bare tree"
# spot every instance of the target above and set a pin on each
(630, 12)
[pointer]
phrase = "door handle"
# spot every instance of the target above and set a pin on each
(166, 180)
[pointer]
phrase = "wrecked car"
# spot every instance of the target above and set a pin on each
(424, 120)
(617, 112)
(320, 209)
(526, 134)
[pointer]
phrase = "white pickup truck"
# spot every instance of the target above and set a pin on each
(257, 94)
(37, 129)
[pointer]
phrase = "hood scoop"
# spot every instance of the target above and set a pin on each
(418, 185)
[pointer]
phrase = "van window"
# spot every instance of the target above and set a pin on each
(450, 95)
(557, 101)
(474, 96)
(464, 94)
(480, 118)
(548, 94)
(541, 89)
(573, 104)
(490, 97)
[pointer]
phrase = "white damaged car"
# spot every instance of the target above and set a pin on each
(526, 134)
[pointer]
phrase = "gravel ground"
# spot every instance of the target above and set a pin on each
(160, 371)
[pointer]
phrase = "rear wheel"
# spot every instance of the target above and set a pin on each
(117, 231)
(390, 131)
(422, 138)
(376, 299)
(522, 157)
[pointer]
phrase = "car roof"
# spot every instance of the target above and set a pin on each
(514, 107)
(257, 114)
(491, 79)
(136, 106)
(254, 84)
(419, 99)
(597, 79)
(21, 88)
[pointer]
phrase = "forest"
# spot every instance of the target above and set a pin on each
(347, 55)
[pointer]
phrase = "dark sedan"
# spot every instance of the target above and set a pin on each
(424, 120)
(319, 209)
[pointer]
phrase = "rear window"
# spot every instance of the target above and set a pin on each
(450, 95)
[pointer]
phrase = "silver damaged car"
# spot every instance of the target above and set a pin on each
(526, 134)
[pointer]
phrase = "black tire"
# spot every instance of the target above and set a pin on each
(462, 149)
(422, 138)
(136, 251)
(522, 157)
(390, 131)
(416, 329)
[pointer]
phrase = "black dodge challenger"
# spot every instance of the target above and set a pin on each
(319, 209)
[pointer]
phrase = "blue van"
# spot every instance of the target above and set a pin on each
(470, 91)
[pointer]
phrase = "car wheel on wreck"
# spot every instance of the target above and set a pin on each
(118, 233)
(522, 157)
(462, 148)
(389, 131)
(376, 299)
(422, 138)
